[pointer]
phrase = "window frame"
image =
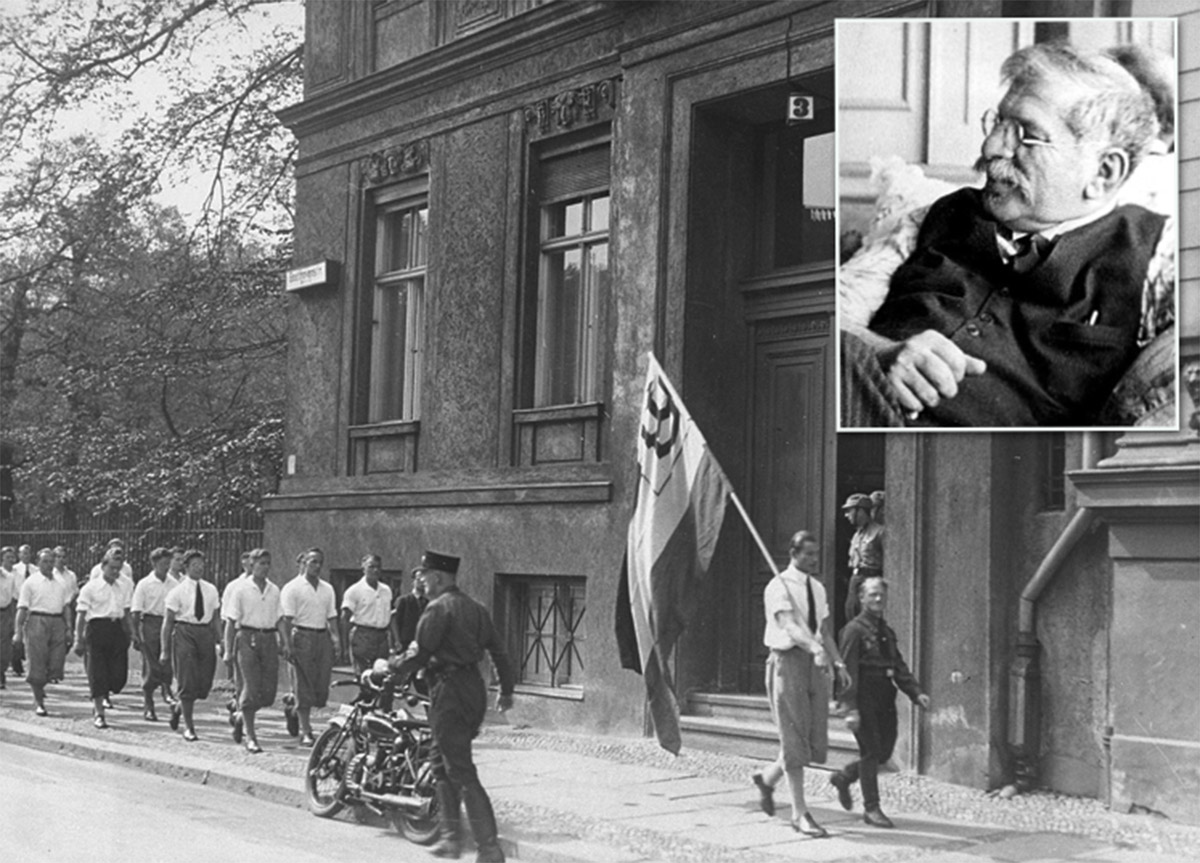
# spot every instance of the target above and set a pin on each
(382, 204)
(531, 389)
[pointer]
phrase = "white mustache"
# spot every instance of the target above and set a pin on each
(999, 170)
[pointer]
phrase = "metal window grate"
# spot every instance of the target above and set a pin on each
(549, 615)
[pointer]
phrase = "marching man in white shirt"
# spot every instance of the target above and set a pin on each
(149, 608)
(104, 630)
(367, 616)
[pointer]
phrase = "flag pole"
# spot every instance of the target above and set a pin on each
(762, 546)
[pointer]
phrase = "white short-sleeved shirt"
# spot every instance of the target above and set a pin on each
(230, 589)
(10, 587)
(786, 592)
(100, 599)
(182, 601)
(43, 594)
(98, 571)
(150, 594)
(250, 607)
(69, 579)
(369, 606)
(308, 606)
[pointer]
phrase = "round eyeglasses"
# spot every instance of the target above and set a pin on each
(992, 120)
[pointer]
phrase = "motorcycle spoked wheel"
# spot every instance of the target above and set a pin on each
(326, 772)
(419, 829)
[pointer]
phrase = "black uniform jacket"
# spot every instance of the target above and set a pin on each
(869, 649)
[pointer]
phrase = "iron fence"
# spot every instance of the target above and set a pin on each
(222, 536)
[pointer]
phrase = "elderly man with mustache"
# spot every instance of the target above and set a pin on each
(1023, 302)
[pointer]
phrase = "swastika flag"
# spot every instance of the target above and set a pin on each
(681, 499)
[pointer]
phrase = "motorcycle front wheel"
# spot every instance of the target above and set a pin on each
(326, 768)
(417, 828)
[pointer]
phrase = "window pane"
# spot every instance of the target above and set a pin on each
(404, 239)
(388, 343)
(564, 220)
(803, 225)
(560, 337)
(599, 220)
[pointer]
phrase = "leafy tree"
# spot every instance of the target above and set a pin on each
(141, 349)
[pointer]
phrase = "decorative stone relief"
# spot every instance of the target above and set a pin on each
(579, 105)
(802, 325)
(394, 162)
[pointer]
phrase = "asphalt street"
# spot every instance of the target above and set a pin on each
(63, 809)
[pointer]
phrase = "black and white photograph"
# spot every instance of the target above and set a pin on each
(1017, 266)
(600, 431)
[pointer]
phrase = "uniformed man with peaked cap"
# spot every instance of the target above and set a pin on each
(452, 636)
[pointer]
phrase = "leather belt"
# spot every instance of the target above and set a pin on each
(310, 628)
(45, 614)
(371, 628)
(254, 629)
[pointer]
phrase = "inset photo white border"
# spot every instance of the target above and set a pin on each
(910, 94)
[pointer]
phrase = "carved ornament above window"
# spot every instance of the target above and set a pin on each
(577, 106)
(393, 163)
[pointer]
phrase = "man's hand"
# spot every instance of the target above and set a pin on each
(926, 368)
(843, 676)
(852, 720)
(923, 701)
(504, 703)
(78, 647)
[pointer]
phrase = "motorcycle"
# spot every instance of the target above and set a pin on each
(376, 759)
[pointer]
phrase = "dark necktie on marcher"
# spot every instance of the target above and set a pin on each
(199, 604)
(1030, 249)
(812, 606)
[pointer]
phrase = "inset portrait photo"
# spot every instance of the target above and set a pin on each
(1008, 200)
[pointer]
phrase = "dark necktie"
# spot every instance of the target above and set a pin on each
(1030, 250)
(812, 606)
(199, 604)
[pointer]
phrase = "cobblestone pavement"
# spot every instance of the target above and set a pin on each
(568, 797)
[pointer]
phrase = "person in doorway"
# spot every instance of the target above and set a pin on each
(41, 627)
(310, 637)
(866, 548)
(149, 609)
(802, 654)
(253, 631)
(104, 631)
(453, 635)
(366, 617)
(876, 671)
(191, 639)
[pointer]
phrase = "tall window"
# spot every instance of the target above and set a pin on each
(398, 311)
(572, 229)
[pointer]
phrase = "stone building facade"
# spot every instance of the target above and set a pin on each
(513, 202)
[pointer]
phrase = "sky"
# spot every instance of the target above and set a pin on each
(184, 190)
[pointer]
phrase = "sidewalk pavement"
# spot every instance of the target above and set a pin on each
(567, 798)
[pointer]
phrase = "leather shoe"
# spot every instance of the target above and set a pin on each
(447, 848)
(176, 712)
(842, 783)
(490, 854)
(766, 794)
(876, 818)
(809, 827)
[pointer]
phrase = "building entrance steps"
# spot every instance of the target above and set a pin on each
(574, 798)
(738, 724)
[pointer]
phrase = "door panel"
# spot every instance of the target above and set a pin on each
(792, 379)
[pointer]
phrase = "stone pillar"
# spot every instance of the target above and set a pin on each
(1149, 495)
